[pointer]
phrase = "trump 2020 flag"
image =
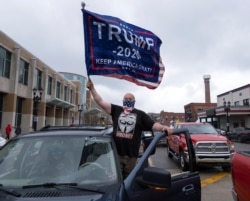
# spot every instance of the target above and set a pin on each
(118, 49)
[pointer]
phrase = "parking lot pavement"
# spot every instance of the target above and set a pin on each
(218, 191)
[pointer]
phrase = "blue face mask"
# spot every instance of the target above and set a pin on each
(128, 103)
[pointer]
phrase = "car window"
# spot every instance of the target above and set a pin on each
(198, 129)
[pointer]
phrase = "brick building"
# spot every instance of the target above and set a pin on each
(20, 73)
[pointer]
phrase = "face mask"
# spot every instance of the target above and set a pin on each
(128, 105)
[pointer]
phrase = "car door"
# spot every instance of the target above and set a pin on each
(182, 186)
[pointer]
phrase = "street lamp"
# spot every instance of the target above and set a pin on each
(80, 109)
(227, 109)
(37, 97)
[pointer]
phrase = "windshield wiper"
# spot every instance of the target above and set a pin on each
(67, 185)
(9, 191)
(49, 185)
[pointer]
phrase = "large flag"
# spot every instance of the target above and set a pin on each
(118, 49)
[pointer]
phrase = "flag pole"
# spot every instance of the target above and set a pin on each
(83, 4)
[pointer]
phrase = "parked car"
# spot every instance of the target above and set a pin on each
(210, 147)
(162, 141)
(241, 134)
(146, 139)
(240, 176)
(81, 163)
(221, 131)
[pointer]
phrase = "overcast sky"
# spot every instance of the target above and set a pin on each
(198, 38)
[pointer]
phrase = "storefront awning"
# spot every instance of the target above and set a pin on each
(60, 103)
(92, 111)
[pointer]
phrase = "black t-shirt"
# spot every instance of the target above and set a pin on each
(128, 129)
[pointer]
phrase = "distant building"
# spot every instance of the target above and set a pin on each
(192, 109)
(82, 79)
(171, 118)
(237, 101)
(21, 72)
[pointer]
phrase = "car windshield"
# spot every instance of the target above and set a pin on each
(200, 129)
(57, 159)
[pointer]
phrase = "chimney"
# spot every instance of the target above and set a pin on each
(207, 88)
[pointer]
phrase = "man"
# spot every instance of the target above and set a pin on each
(128, 124)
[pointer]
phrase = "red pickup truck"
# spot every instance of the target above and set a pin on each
(240, 169)
(210, 147)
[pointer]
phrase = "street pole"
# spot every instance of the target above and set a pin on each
(227, 121)
(37, 97)
(80, 109)
(227, 106)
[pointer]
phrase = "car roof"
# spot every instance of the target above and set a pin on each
(95, 130)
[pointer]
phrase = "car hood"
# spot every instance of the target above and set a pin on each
(207, 137)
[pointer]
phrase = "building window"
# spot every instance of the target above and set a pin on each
(1, 108)
(49, 90)
(58, 89)
(23, 72)
(237, 103)
(38, 77)
(5, 58)
(246, 102)
(19, 104)
(71, 96)
(242, 123)
(65, 93)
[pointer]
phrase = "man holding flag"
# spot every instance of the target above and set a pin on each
(128, 124)
(115, 48)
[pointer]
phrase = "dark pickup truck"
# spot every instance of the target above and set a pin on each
(241, 134)
(240, 169)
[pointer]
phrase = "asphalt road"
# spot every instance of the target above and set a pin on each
(216, 183)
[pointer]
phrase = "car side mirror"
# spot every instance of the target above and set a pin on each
(155, 178)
